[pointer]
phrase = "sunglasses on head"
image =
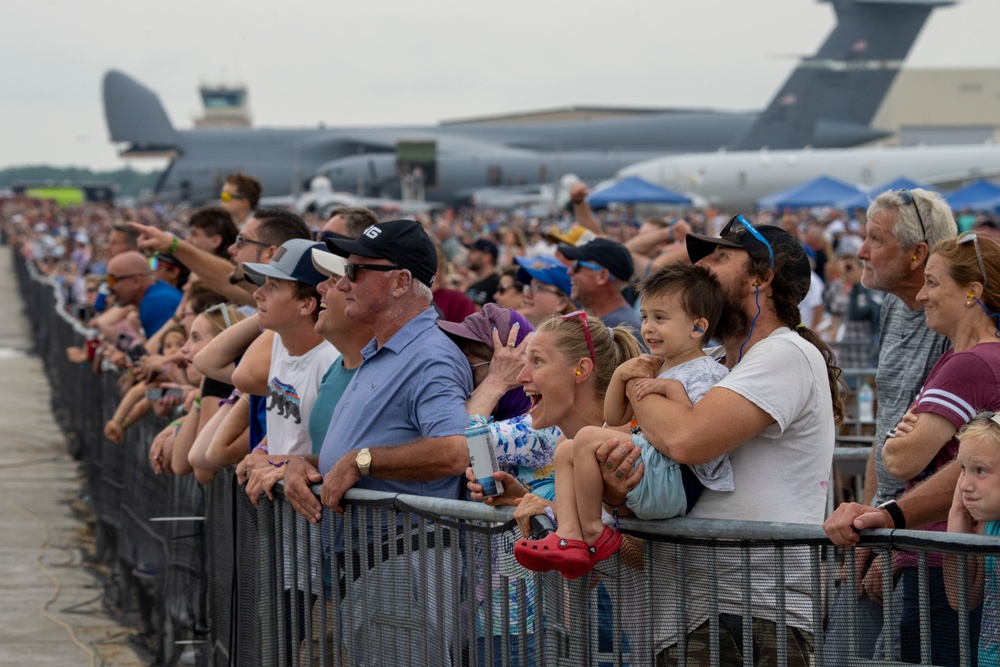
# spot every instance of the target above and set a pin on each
(971, 236)
(730, 231)
(586, 330)
(906, 197)
(222, 308)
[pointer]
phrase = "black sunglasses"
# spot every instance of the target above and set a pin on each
(906, 197)
(351, 270)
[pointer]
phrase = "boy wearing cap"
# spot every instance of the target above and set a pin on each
(288, 304)
(600, 270)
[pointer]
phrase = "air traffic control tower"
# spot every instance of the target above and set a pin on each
(223, 106)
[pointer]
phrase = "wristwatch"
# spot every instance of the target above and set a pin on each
(364, 461)
(898, 520)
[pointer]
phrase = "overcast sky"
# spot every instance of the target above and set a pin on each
(402, 62)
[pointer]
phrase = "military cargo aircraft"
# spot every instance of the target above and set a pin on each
(828, 101)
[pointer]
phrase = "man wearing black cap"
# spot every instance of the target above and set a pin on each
(600, 269)
(774, 414)
(400, 424)
(482, 259)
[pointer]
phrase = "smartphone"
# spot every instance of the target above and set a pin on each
(154, 393)
(483, 459)
(124, 342)
(173, 391)
(137, 352)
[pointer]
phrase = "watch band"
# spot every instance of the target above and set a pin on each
(895, 512)
(364, 461)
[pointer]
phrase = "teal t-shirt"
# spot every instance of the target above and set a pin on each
(331, 388)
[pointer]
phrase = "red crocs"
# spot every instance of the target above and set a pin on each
(607, 545)
(571, 557)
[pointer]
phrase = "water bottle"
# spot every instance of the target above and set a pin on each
(866, 404)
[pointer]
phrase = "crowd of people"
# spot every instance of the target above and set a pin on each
(599, 350)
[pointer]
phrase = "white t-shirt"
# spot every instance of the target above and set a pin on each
(291, 391)
(781, 474)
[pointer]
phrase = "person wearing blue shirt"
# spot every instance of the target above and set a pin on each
(399, 426)
(132, 281)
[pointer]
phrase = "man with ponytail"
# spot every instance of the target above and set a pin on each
(774, 415)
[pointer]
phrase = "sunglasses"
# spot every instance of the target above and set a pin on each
(222, 308)
(351, 270)
(586, 330)
(536, 287)
(114, 280)
(971, 236)
(989, 415)
(581, 263)
(503, 289)
(906, 197)
(242, 241)
(229, 196)
(745, 227)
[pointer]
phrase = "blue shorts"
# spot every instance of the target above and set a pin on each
(660, 493)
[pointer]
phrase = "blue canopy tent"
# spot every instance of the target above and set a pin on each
(634, 190)
(863, 200)
(978, 196)
(821, 191)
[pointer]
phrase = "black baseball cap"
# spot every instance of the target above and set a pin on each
(402, 242)
(611, 255)
(487, 246)
(781, 250)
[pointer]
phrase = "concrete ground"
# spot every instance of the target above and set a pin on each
(50, 602)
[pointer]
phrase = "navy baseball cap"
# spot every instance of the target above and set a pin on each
(611, 255)
(292, 261)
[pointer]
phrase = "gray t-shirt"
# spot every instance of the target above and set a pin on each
(907, 351)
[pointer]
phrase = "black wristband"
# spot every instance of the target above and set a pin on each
(895, 512)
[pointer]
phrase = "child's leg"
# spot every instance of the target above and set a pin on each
(569, 523)
(587, 480)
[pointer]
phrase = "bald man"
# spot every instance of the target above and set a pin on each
(133, 283)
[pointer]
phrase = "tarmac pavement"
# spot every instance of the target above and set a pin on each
(51, 610)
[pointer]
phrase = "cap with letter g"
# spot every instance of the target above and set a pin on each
(402, 242)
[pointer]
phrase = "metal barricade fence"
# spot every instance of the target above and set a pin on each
(432, 582)
(439, 585)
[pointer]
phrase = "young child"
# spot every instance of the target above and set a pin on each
(975, 508)
(681, 305)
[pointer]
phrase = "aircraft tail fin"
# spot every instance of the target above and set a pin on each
(136, 116)
(832, 96)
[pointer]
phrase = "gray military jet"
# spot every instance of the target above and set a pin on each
(827, 102)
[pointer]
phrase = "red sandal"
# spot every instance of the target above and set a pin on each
(607, 545)
(570, 557)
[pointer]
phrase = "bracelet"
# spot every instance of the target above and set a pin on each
(197, 400)
(126, 423)
(233, 397)
(174, 244)
(278, 464)
(261, 448)
(175, 423)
